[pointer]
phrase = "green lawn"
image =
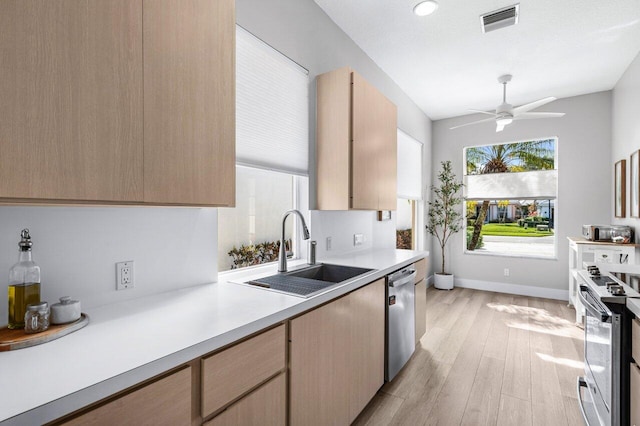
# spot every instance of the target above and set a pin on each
(511, 230)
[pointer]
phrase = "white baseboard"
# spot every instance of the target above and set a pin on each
(521, 290)
(429, 281)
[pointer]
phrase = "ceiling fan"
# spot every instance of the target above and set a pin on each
(506, 113)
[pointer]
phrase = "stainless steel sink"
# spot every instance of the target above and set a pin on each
(329, 273)
(310, 280)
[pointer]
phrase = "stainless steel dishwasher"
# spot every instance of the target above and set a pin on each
(400, 341)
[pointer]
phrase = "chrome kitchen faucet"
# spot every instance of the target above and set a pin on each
(282, 257)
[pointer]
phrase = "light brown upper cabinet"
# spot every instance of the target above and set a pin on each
(189, 102)
(71, 100)
(356, 144)
(117, 102)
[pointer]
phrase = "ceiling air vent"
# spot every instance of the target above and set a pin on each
(500, 18)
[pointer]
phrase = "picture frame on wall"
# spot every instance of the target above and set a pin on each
(620, 188)
(384, 215)
(634, 181)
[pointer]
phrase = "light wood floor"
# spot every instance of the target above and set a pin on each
(487, 359)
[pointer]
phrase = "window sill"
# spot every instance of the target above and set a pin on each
(517, 256)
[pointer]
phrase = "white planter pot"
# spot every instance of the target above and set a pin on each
(443, 282)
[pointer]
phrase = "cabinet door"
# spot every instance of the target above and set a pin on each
(635, 395)
(421, 309)
(336, 360)
(189, 102)
(266, 406)
(71, 100)
(333, 139)
(374, 148)
(366, 345)
(319, 373)
(164, 402)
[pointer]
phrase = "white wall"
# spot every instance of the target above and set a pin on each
(626, 128)
(303, 32)
(77, 248)
(584, 182)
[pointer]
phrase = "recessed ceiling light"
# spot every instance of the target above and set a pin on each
(425, 8)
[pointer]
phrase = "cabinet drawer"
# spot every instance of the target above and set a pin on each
(635, 395)
(635, 340)
(164, 402)
(421, 270)
(264, 406)
(235, 371)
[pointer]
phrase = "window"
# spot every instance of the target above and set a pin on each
(409, 190)
(248, 234)
(272, 127)
(510, 191)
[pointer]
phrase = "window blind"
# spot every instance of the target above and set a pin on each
(409, 167)
(272, 107)
(541, 184)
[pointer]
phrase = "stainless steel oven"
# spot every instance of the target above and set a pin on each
(607, 339)
(602, 346)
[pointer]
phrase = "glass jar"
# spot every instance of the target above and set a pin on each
(621, 234)
(37, 318)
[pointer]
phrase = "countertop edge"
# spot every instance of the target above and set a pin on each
(634, 306)
(68, 404)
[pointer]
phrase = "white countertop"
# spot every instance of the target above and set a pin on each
(634, 306)
(128, 342)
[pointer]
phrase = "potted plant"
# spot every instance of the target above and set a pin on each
(444, 219)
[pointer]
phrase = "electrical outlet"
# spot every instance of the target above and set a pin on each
(124, 275)
(506, 272)
(358, 239)
(328, 243)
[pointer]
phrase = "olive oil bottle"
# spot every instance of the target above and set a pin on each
(24, 283)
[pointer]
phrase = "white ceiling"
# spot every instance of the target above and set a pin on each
(446, 64)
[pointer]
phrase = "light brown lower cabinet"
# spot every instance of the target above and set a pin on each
(336, 358)
(336, 366)
(242, 382)
(635, 340)
(635, 395)
(232, 372)
(421, 309)
(265, 406)
(421, 269)
(166, 401)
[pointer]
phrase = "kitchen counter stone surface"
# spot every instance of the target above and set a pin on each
(634, 306)
(129, 342)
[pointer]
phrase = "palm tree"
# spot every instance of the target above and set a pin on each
(510, 157)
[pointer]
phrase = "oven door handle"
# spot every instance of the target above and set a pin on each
(582, 384)
(593, 310)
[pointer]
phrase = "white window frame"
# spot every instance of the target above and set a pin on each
(501, 254)
(292, 155)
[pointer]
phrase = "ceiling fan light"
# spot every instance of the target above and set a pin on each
(425, 8)
(503, 121)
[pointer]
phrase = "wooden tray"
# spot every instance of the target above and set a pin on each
(18, 339)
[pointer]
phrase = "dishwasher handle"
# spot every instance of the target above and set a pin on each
(408, 276)
(582, 383)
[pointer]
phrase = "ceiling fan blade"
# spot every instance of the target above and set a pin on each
(499, 127)
(533, 115)
(483, 112)
(532, 105)
(473, 122)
